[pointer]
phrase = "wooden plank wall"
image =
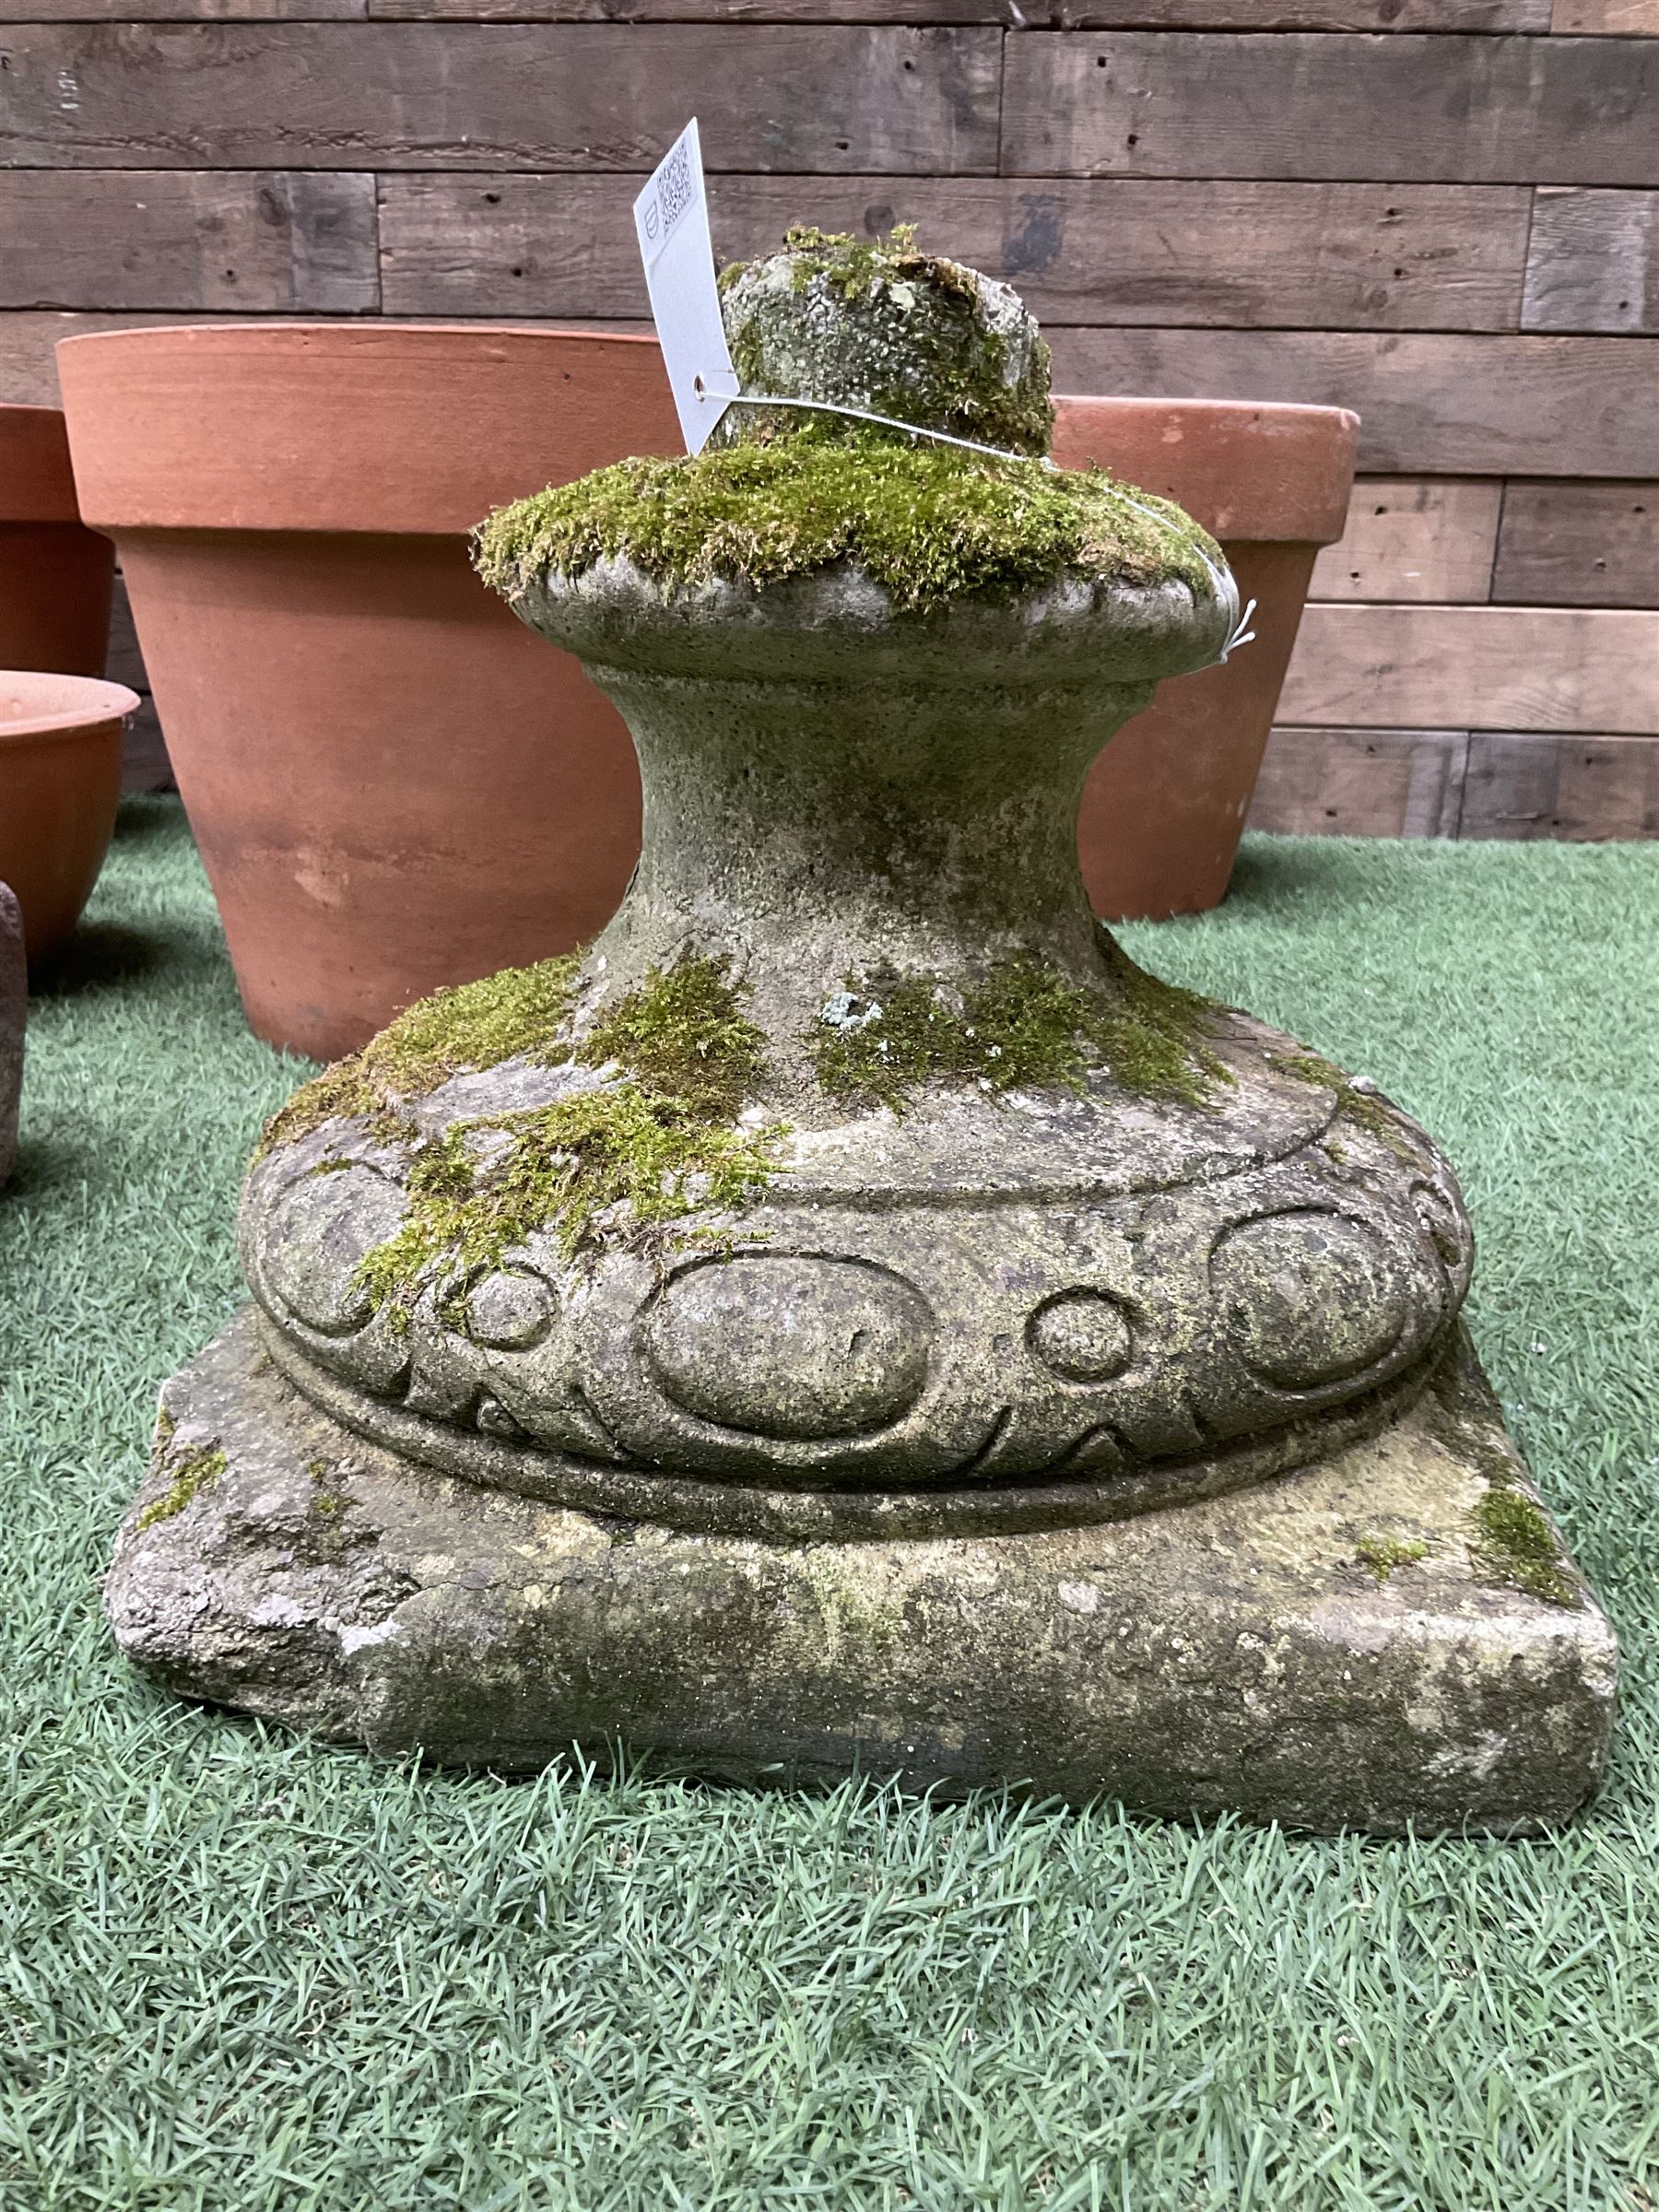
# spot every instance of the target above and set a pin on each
(1445, 213)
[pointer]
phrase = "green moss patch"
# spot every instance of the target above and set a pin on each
(682, 1034)
(469, 1027)
(1381, 1555)
(929, 524)
(853, 267)
(1515, 1544)
(657, 1142)
(565, 1165)
(192, 1473)
(1024, 1026)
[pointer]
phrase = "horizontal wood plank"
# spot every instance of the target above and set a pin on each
(1294, 14)
(1475, 668)
(1594, 260)
(1017, 14)
(1607, 18)
(288, 241)
(1362, 782)
(998, 12)
(1110, 252)
(1583, 789)
(1431, 405)
(1579, 545)
(1013, 15)
(1414, 538)
(184, 11)
(1448, 110)
(389, 95)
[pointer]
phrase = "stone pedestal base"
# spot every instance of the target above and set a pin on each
(1393, 1635)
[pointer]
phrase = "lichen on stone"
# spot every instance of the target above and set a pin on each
(467, 1026)
(930, 525)
(192, 1473)
(1024, 1027)
(651, 1145)
(326, 1499)
(879, 324)
(1365, 1110)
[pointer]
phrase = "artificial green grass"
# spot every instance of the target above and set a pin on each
(242, 1971)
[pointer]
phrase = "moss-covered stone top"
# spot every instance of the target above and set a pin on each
(930, 523)
(880, 326)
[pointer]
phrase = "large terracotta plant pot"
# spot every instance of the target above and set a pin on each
(393, 784)
(60, 782)
(55, 573)
(1166, 801)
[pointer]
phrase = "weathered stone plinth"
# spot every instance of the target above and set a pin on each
(849, 1315)
(1350, 1644)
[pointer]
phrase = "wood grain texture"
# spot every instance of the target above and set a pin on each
(1607, 18)
(1362, 782)
(1451, 109)
(183, 11)
(1110, 251)
(997, 12)
(390, 95)
(1594, 260)
(1294, 14)
(1583, 789)
(1428, 405)
(1579, 545)
(1475, 668)
(1015, 15)
(288, 241)
(1414, 538)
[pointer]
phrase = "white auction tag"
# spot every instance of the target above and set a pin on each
(672, 217)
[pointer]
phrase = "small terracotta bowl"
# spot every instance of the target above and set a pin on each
(60, 782)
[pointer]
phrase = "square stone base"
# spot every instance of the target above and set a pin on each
(1395, 1635)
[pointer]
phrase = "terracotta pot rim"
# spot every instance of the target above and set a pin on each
(253, 336)
(92, 705)
(397, 430)
(1240, 413)
(1252, 471)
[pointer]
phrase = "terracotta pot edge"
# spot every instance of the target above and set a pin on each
(1325, 440)
(234, 335)
(104, 705)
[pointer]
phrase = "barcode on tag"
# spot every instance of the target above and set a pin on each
(670, 217)
(676, 193)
